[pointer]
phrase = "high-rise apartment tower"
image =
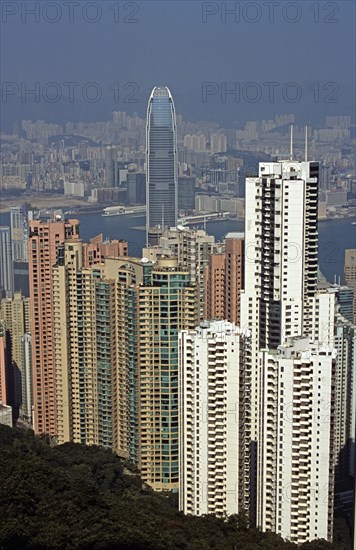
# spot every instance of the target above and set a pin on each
(280, 301)
(45, 239)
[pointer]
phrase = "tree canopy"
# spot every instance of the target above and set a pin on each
(78, 497)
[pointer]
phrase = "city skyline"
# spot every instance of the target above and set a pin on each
(67, 345)
(178, 273)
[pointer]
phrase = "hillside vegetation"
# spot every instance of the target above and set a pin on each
(78, 497)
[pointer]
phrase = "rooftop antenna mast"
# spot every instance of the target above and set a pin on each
(291, 142)
(306, 144)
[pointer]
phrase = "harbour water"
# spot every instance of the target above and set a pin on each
(334, 236)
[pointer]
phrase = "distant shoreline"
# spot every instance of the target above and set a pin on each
(43, 201)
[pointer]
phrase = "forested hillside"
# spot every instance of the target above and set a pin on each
(77, 497)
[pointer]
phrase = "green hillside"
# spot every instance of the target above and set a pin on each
(77, 497)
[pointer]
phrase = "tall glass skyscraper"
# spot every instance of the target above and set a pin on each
(161, 145)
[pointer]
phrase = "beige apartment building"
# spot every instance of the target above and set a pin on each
(63, 292)
(116, 326)
(91, 381)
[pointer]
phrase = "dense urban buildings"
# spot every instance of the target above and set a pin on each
(115, 354)
(222, 370)
(161, 169)
(178, 275)
(54, 310)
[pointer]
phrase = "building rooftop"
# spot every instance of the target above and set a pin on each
(161, 91)
(235, 235)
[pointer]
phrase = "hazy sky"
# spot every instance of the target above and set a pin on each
(184, 44)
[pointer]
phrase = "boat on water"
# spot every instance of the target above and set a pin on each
(123, 210)
(353, 223)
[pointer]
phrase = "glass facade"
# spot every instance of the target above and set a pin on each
(162, 189)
